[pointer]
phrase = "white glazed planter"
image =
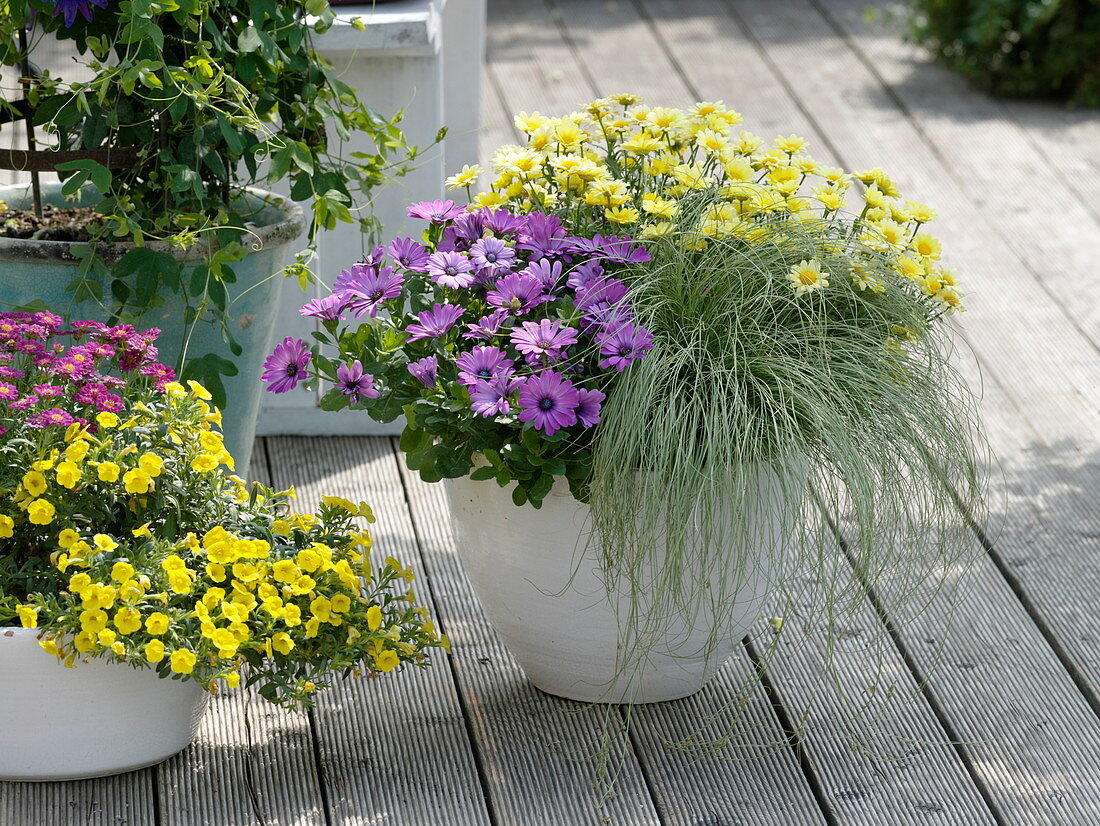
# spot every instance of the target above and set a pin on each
(96, 719)
(543, 590)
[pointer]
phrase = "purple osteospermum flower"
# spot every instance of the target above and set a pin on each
(625, 344)
(503, 222)
(588, 407)
(353, 382)
(483, 363)
(328, 308)
(366, 287)
(620, 249)
(544, 235)
(517, 293)
(490, 398)
(603, 303)
(425, 370)
(434, 322)
(585, 274)
(70, 8)
(285, 368)
(543, 340)
(487, 326)
(492, 256)
(461, 234)
(54, 417)
(550, 401)
(409, 254)
(451, 269)
(546, 271)
(435, 211)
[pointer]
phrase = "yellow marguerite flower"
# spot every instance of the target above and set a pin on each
(807, 276)
(467, 176)
(622, 215)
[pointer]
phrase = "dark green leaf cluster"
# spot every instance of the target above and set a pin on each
(1020, 48)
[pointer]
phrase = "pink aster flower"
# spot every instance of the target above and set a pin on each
(285, 368)
(492, 256)
(550, 401)
(487, 326)
(8, 392)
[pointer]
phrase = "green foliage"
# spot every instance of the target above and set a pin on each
(1020, 48)
(212, 97)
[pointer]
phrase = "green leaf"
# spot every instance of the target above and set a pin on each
(483, 474)
(100, 175)
(249, 40)
(519, 496)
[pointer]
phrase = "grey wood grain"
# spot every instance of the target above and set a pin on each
(1000, 685)
(537, 750)
(252, 763)
(123, 800)
(395, 749)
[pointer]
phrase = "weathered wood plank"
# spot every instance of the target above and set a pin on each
(123, 800)
(1003, 175)
(706, 48)
(393, 750)
(1033, 776)
(251, 764)
(537, 750)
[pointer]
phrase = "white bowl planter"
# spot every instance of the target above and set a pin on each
(99, 718)
(544, 593)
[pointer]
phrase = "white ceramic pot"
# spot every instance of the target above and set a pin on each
(96, 719)
(542, 586)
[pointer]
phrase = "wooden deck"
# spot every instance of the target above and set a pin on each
(1004, 729)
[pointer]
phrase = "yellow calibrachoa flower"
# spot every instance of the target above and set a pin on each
(28, 615)
(183, 661)
(108, 471)
(154, 652)
(34, 483)
(137, 481)
(40, 512)
(106, 420)
(7, 526)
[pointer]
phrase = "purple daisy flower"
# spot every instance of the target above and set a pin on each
(503, 222)
(543, 340)
(550, 401)
(483, 363)
(546, 271)
(285, 368)
(588, 407)
(491, 398)
(463, 232)
(425, 370)
(353, 382)
(625, 344)
(328, 308)
(585, 274)
(434, 322)
(544, 235)
(615, 248)
(492, 256)
(54, 417)
(450, 269)
(517, 293)
(366, 287)
(603, 304)
(435, 211)
(70, 8)
(487, 326)
(409, 254)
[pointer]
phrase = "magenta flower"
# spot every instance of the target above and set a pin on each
(70, 8)
(160, 374)
(622, 346)
(435, 211)
(487, 326)
(328, 308)
(45, 391)
(543, 340)
(367, 288)
(25, 403)
(425, 370)
(588, 407)
(517, 293)
(285, 368)
(492, 256)
(353, 382)
(54, 417)
(491, 398)
(409, 254)
(451, 269)
(8, 392)
(434, 322)
(483, 363)
(550, 401)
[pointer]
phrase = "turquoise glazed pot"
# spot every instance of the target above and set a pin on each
(40, 271)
